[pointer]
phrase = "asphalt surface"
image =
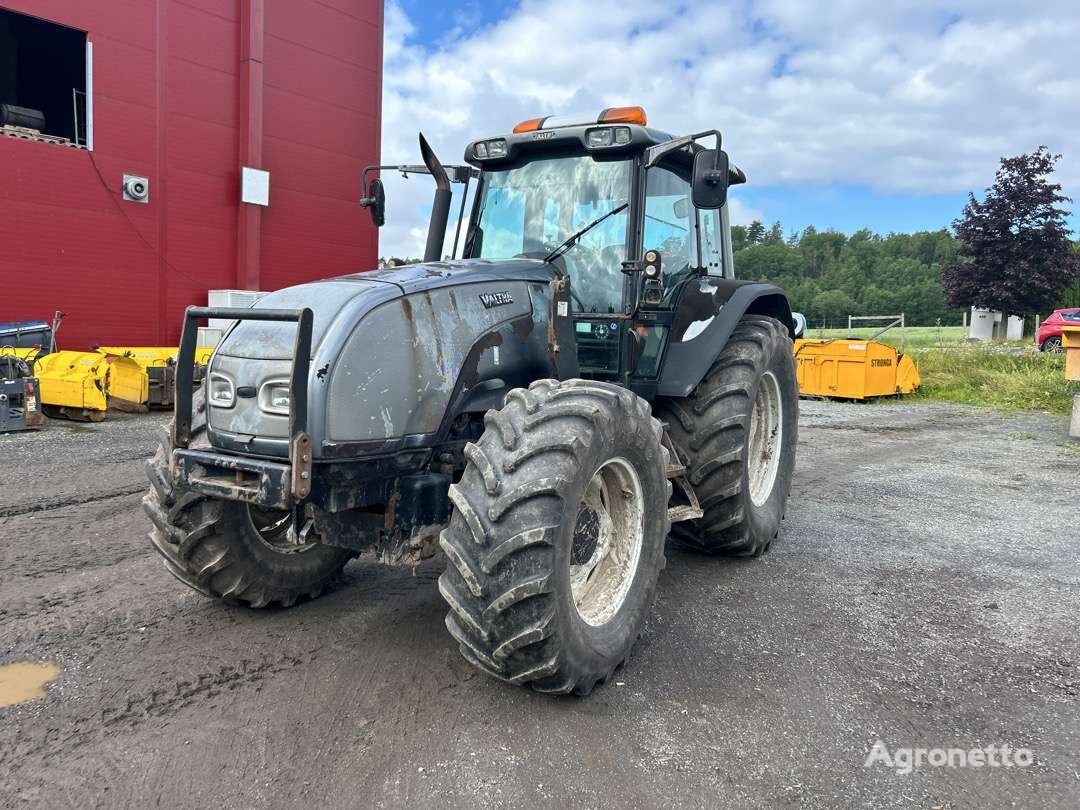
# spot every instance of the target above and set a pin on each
(925, 593)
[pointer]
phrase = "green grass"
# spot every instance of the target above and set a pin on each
(990, 375)
(1030, 381)
(916, 335)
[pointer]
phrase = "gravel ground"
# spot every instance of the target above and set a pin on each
(925, 593)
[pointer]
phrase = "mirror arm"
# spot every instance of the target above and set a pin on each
(654, 153)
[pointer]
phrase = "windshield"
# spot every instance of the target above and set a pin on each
(532, 209)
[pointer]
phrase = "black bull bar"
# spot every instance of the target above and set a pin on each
(266, 483)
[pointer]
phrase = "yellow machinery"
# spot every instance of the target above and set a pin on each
(1070, 340)
(159, 365)
(853, 369)
(155, 356)
(82, 385)
(28, 355)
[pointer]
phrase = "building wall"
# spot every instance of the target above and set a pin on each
(172, 101)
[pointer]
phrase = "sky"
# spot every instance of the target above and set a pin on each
(843, 114)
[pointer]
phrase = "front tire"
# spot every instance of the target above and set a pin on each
(226, 549)
(557, 536)
(736, 434)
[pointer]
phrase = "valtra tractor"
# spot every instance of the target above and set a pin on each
(588, 378)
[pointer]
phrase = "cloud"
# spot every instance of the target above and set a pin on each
(739, 213)
(904, 98)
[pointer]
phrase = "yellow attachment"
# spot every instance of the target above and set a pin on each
(90, 381)
(129, 387)
(23, 354)
(853, 369)
(156, 356)
(72, 380)
(145, 356)
(1070, 341)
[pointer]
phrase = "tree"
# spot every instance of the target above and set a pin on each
(1015, 255)
(738, 238)
(775, 236)
(1071, 296)
(755, 233)
(832, 307)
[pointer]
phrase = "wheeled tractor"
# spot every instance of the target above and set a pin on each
(586, 379)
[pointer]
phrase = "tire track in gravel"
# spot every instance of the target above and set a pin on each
(122, 711)
(63, 503)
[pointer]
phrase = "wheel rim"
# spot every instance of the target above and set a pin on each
(272, 526)
(766, 439)
(1053, 345)
(606, 546)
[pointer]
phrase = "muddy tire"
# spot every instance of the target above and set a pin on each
(736, 434)
(225, 549)
(557, 536)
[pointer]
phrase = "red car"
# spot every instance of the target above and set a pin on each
(1048, 338)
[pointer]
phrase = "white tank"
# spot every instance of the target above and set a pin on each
(983, 322)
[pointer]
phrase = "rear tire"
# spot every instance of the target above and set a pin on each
(225, 549)
(1052, 345)
(557, 536)
(740, 475)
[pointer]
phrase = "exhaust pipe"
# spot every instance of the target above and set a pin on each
(440, 208)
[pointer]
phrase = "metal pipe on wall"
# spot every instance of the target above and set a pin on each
(250, 109)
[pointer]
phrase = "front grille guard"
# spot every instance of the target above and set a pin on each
(299, 440)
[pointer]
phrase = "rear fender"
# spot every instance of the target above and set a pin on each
(706, 314)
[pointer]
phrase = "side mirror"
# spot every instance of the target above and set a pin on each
(800, 323)
(711, 178)
(376, 201)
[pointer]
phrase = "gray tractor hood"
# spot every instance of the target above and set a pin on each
(388, 349)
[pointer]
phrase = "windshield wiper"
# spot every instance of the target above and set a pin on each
(569, 243)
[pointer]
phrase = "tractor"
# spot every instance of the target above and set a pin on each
(586, 379)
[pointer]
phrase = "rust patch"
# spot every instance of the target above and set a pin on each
(406, 308)
(390, 516)
(558, 293)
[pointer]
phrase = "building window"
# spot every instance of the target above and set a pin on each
(43, 76)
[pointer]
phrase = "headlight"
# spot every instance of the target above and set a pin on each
(602, 137)
(222, 394)
(490, 149)
(274, 397)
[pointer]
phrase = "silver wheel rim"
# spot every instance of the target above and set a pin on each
(272, 527)
(766, 439)
(606, 547)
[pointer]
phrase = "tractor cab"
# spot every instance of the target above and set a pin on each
(627, 213)
(601, 196)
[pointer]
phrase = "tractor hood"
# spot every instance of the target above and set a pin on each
(353, 295)
(390, 350)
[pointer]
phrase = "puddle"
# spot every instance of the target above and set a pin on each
(26, 680)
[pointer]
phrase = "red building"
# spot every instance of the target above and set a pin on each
(183, 93)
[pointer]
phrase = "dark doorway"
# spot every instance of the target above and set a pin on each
(43, 67)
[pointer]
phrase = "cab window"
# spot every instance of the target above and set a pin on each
(711, 247)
